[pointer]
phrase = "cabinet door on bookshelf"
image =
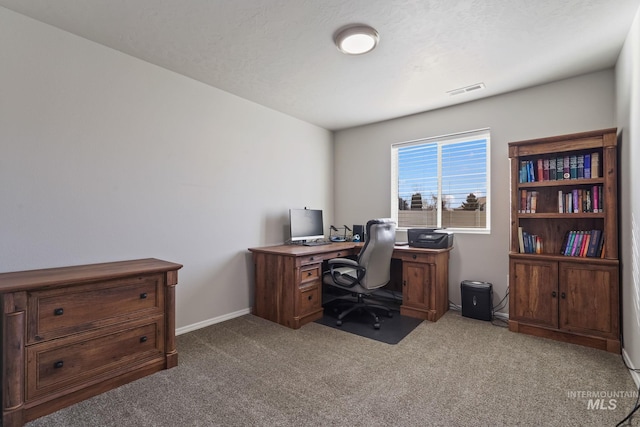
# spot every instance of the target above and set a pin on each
(589, 299)
(534, 292)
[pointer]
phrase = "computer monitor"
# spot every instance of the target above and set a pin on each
(306, 224)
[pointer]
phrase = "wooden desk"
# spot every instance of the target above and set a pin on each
(288, 281)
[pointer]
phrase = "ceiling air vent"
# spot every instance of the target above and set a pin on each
(467, 89)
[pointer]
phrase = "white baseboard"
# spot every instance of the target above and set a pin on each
(213, 321)
(635, 375)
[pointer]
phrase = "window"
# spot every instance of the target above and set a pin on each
(442, 182)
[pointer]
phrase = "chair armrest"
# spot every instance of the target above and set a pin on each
(343, 262)
(341, 278)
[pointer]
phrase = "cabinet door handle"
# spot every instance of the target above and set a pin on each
(563, 295)
(554, 294)
(143, 295)
(59, 364)
(310, 297)
(58, 312)
(404, 283)
(143, 339)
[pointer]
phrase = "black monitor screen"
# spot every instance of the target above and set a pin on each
(306, 224)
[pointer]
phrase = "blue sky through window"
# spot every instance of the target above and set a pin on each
(464, 171)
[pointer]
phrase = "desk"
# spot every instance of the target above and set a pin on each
(288, 281)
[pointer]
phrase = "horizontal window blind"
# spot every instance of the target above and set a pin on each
(442, 182)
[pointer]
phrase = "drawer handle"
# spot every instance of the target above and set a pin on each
(59, 364)
(309, 274)
(310, 297)
(312, 258)
(415, 256)
(143, 295)
(58, 312)
(143, 339)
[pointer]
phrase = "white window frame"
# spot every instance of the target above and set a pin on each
(442, 140)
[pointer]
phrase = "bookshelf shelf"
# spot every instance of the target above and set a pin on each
(563, 251)
(554, 215)
(561, 183)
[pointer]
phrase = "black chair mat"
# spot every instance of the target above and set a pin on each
(392, 330)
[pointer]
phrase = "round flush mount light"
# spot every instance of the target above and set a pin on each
(356, 39)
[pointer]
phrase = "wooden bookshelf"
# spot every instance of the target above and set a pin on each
(568, 294)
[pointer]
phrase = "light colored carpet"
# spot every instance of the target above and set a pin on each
(455, 372)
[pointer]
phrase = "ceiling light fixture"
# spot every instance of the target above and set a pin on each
(356, 39)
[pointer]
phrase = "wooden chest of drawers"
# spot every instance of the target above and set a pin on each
(73, 332)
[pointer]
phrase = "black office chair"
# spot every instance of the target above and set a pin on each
(370, 271)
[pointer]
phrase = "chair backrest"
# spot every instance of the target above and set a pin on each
(376, 253)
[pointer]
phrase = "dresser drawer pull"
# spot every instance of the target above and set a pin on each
(310, 297)
(58, 312)
(143, 295)
(59, 364)
(143, 339)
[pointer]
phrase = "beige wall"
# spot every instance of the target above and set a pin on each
(363, 165)
(628, 122)
(105, 157)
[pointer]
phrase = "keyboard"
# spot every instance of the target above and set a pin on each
(315, 243)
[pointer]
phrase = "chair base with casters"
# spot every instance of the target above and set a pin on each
(361, 305)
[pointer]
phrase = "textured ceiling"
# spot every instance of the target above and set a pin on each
(280, 53)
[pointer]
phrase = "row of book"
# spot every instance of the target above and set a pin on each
(581, 200)
(528, 201)
(574, 166)
(578, 200)
(529, 243)
(580, 243)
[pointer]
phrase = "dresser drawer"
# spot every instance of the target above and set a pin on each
(67, 362)
(63, 311)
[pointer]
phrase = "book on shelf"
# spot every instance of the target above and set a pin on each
(559, 168)
(540, 170)
(580, 200)
(580, 166)
(573, 166)
(528, 201)
(529, 243)
(583, 243)
(587, 166)
(520, 240)
(560, 202)
(595, 165)
(592, 250)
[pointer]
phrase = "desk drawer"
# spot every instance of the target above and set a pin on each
(59, 312)
(310, 273)
(311, 259)
(425, 258)
(310, 299)
(64, 363)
